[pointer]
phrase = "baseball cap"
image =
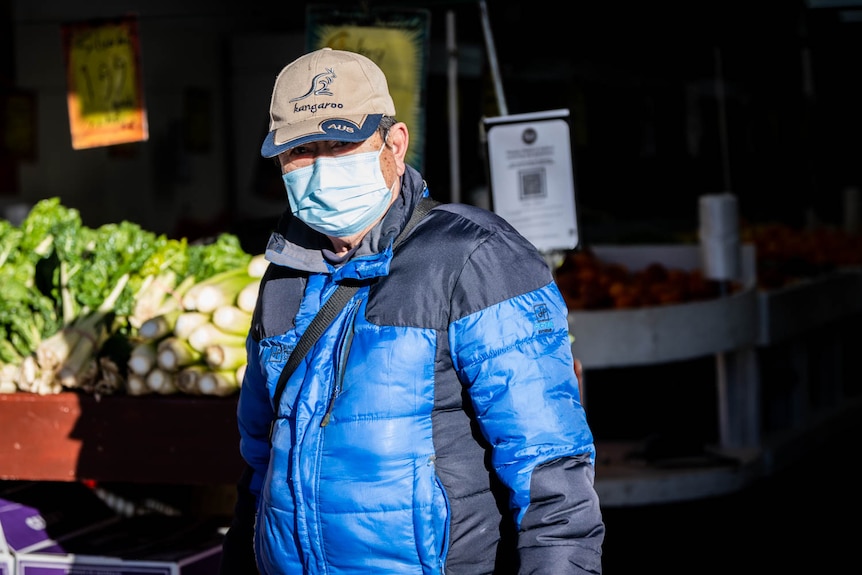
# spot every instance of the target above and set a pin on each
(326, 95)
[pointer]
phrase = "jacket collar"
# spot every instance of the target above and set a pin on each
(295, 245)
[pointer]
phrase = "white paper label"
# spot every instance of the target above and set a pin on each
(532, 181)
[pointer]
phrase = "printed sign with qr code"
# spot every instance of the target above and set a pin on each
(532, 181)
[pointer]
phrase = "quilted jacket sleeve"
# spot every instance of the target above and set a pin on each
(514, 357)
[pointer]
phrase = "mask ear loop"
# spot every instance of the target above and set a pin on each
(384, 146)
(386, 136)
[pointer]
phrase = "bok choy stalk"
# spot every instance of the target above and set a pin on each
(220, 289)
(79, 368)
(34, 379)
(220, 357)
(159, 326)
(151, 296)
(208, 334)
(29, 308)
(232, 319)
(165, 277)
(187, 378)
(161, 381)
(247, 297)
(257, 266)
(142, 357)
(218, 383)
(187, 321)
(200, 263)
(55, 354)
(8, 378)
(173, 353)
(136, 384)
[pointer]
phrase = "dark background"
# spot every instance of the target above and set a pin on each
(652, 88)
(640, 79)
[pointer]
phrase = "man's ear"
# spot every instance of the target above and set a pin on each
(398, 141)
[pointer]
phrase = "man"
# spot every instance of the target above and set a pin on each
(436, 425)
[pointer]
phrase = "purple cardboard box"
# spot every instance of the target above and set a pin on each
(39, 513)
(139, 545)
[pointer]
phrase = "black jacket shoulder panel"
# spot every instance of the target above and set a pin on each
(460, 259)
(281, 290)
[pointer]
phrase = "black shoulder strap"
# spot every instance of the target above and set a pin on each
(336, 301)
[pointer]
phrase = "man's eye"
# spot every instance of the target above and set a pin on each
(339, 147)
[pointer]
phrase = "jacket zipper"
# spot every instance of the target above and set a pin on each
(342, 364)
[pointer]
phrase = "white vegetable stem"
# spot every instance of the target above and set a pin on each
(219, 357)
(54, 354)
(75, 369)
(159, 326)
(151, 296)
(231, 319)
(161, 381)
(187, 378)
(247, 297)
(219, 383)
(208, 334)
(188, 321)
(219, 289)
(174, 353)
(257, 266)
(142, 358)
(136, 384)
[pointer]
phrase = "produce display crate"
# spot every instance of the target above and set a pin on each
(808, 304)
(808, 340)
(149, 439)
(737, 330)
(725, 328)
(648, 335)
(626, 338)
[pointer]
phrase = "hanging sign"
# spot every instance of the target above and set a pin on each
(531, 177)
(103, 76)
(397, 40)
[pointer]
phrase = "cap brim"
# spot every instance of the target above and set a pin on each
(335, 129)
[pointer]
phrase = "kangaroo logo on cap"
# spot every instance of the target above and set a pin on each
(324, 79)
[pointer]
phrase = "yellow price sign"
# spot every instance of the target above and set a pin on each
(397, 41)
(105, 94)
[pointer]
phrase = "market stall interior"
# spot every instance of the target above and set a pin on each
(720, 371)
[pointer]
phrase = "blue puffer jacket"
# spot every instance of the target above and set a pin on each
(436, 425)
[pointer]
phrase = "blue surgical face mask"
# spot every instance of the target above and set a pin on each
(339, 196)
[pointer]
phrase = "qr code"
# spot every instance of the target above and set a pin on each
(533, 183)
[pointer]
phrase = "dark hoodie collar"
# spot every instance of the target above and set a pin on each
(295, 245)
(383, 234)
